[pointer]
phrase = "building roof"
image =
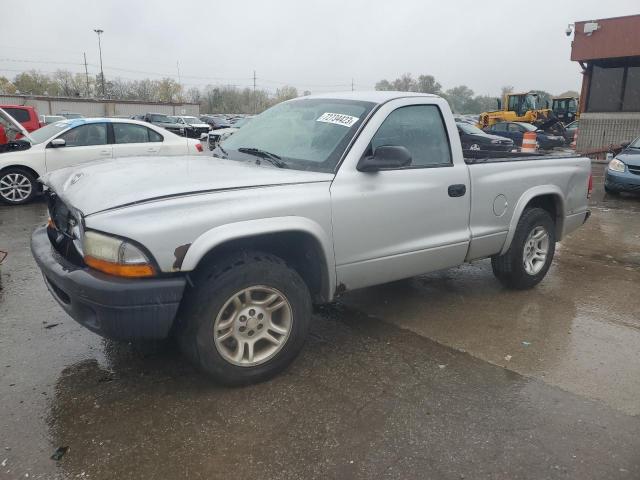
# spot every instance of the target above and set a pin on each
(612, 38)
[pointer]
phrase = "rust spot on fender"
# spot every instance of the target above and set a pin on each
(179, 254)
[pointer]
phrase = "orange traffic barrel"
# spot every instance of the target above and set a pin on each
(529, 143)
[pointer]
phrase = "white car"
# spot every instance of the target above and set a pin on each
(193, 126)
(71, 142)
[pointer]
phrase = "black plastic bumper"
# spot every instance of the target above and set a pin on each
(124, 309)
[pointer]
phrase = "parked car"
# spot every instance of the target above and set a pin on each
(193, 126)
(215, 121)
(163, 121)
(312, 198)
(623, 172)
(70, 142)
(472, 138)
(216, 136)
(70, 115)
(515, 131)
(570, 131)
(27, 116)
(47, 119)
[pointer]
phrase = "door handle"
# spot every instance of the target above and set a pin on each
(152, 150)
(105, 152)
(457, 190)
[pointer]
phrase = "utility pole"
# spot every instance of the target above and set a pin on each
(255, 100)
(86, 72)
(179, 81)
(100, 32)
(352, 84)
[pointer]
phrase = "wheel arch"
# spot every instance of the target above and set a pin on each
(302, 243)
(547, 197)
(20, 167)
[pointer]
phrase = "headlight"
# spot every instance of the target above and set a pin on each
(115, 256)
(616, 165)
(496, 141)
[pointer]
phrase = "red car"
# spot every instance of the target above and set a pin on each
(24, 114)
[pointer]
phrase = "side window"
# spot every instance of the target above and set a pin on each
(515, 128)
(130, 133)
(155, 136)
(19, 114)
(86, 135)
(514, 103)
(499, 127)
(421, 130)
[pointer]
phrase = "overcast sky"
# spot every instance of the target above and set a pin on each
(313, 45)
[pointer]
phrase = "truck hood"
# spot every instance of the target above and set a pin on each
(167, 125)
(108, 184)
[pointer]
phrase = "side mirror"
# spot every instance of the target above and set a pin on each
(58, 142)
(625, 144)
(204, 137)
(385, 157)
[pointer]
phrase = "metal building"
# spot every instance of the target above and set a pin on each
(608, 51)
(97, 107)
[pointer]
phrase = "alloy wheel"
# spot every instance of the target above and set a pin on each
(15, 187)
(536, 249)
(253, 326)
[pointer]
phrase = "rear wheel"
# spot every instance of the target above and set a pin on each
(529, 257)
(17, 186)
(246, 318)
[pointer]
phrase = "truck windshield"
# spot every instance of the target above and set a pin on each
(162, 118)
(307, 134)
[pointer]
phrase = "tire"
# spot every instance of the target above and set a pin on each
(610, 191)
(17, 186)
(475, 147)
(212, 326)
(512, 269)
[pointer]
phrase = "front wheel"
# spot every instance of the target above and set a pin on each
(245, 319)
(529, 257)
(17, 186)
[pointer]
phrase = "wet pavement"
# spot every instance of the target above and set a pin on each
(445, 375)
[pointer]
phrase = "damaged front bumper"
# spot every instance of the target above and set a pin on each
(118, 308)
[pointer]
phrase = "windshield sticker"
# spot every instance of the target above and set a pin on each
(338, 119)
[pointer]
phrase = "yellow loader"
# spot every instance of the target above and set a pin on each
(523, 107)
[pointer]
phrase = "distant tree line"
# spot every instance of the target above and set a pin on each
(212, 98)
(229, 99)
(461, 98)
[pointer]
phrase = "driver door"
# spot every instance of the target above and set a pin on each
(84, 143)
(401, 222)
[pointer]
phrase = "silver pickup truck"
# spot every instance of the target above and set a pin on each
(314, 197)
